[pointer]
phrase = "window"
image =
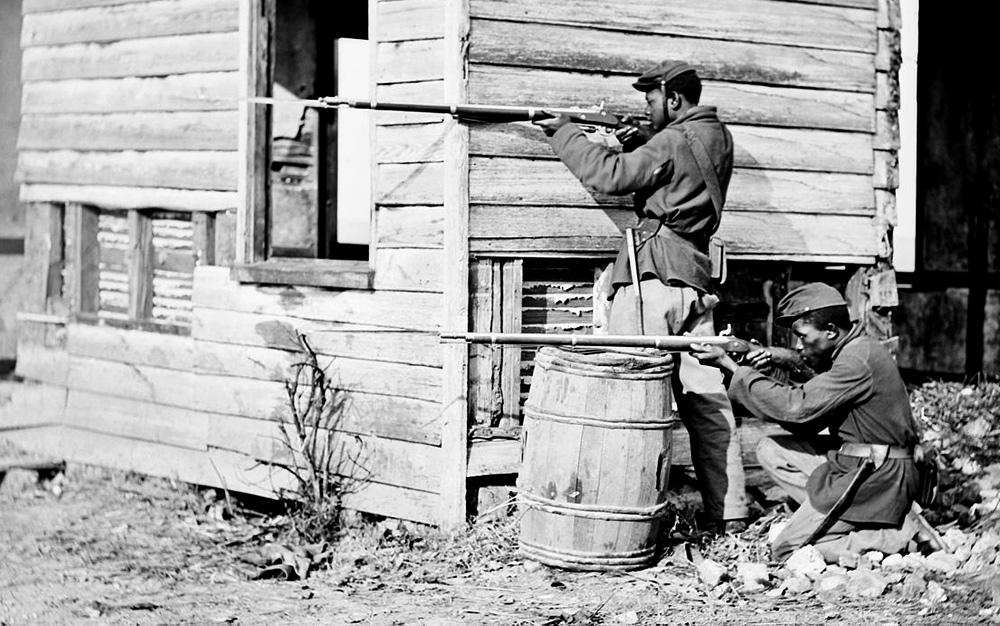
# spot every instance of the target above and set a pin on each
(308, 208)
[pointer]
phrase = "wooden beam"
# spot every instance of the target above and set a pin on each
(110, 197)
(256, 35)
(204, 238)
(82, 258)
(183, 130)
(511, 295)
(202, 91)
(455, 425)
(140, 261)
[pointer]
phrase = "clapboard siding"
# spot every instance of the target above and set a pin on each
(402, 269)
(528, 44)
(410, 61)
(404, 20)
(207, 91)
(756, 21)
(40, 6)
(401, 310)
(327, 338)
(203, 130)
(545, 182)
(130, 197)
(410, 143)
(407, 184)
(130, 21)
(179, 169)
(510, 229)
(755, 147)
(738, 103)
(410, 227)
(155, 56)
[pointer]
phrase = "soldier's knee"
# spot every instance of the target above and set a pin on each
(765, 451)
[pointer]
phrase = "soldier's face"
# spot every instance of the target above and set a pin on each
(814, 344)
(655, 109)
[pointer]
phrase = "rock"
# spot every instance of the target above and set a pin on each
(797, 584)
(861, 584)
(914, 585)
(963, 553)
(849, 560)
(711, 573)
(835, 570)
(893, 562)
(913, 562)
(977, 562)
(992, 585)
(628, 617)
(874, 557)
(775, 530)
(954, 539)
(753, 575)
(941, 561)
(892, 577)
(935, 594)
(832, 584)
(989, 541)
(531, 566)
(806, 561)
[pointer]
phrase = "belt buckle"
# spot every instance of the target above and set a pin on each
(878, 453)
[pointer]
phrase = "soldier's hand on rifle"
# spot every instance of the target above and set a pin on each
(550, 125)
(714, 356)
(632, 137)
(760, 359)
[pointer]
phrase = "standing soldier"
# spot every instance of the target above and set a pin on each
(679, 178)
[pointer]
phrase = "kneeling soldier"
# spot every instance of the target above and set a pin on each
(855, 487)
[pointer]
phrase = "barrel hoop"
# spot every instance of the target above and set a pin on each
(599, 371)
(575, 557)
(593, 511)
(532, 411)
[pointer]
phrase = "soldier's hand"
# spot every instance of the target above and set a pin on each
(760, 359)
(550, 125)
(713, 356)
(632, 137)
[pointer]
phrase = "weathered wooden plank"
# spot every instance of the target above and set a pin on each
(407, 184)
(82, 258)
(410, 61)
(886, 174)
(184, 92)
(886, 130)
(420, 91)
(738, 103)
(208, 170)
(175, 352)
(403, 20)
(347, 373)
(146, 421)
(40, 6)
(208, 130)
(538, 182)
(410, 227)
(203, 238)
(404, 269)
(36, 361)
(410, 143)
(154, 56)
(755, 147)
(403, 310)
(613, 52)
(130, 197)
(871, 5)
(28, 404)
(886, 91)
(139, 265)
(776, 236)
(387, 461)
(758, 21)
(43, 251)
(454, 401)
(129, 21)
(327, 338)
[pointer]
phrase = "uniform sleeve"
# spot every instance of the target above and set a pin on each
(794, 405)
(608, 171)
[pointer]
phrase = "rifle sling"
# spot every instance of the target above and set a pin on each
(707, 170)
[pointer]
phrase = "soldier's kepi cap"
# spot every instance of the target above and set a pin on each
(661, 74)
(806, 299)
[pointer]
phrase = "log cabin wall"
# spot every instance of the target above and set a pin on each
(11, 211)
(130, 141)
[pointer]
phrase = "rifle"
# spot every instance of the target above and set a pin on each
(675, 343)
(596, 117)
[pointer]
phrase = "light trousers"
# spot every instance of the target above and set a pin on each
(789, 461)
(702, 403)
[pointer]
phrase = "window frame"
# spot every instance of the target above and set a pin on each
(252, 265)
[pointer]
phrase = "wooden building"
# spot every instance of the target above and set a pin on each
(178, 235)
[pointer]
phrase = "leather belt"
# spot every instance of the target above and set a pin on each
(872, 450)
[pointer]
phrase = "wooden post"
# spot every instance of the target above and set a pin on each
(256, 25)
(510, 310)
(82, 258)
(454, 434)
(139, 261)
(203, 224)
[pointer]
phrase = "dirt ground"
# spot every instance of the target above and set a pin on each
(104, 547)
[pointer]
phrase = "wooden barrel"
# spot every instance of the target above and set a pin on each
(596, 448)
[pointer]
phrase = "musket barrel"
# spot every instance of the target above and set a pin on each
(680, 343)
